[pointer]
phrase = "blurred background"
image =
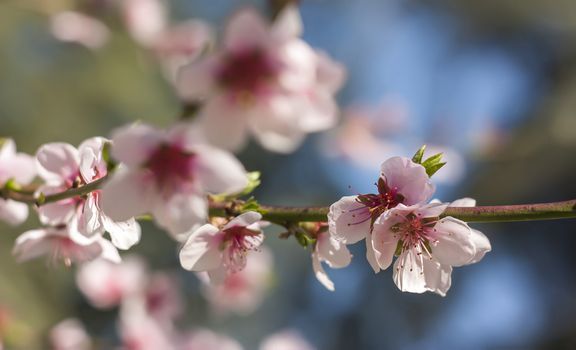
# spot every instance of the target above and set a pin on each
(490, 83)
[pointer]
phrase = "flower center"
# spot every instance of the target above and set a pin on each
(171, 166)
(238, 240)
(247, 73)
(414, 233)
(387, 198)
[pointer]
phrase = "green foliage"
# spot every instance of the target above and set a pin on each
(431, 164)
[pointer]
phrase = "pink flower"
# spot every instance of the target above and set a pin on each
(401, 182)
(78, 28)
(19, 167)
(63, 167)
(242, 291)
(222, 251)
(427, 246)
(139, 331)
(331, 251)
(144, 19)
(201, 339)
(70, 335)
(105, 284)
(286, 340)
(168, 174)
(264, 80)
(63, 243)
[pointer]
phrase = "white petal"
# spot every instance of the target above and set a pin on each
(128, 194)
(7, 149)
(320, 273)
(224, 124)
(330, 74)
(333, 252)
(181, 213)
(58, 161)
(246, 29)
(12, 212)
(57, 213)
(108, 252)
(438, 277)
(31, 244)
(201, 250)
(454, 245)
(409, 178)
(464, 202)
(244, 219)
(133, 144)
(124, 234)
(384, 241)
(219, 171)
(371, 255)
(20, 167)
(195, 82)
(349, 220)
(482, 245)
(288, 24)
(275, 125)
(89, 222)
(409, 273)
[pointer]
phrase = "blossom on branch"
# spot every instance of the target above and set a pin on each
(426, 245)
(222, 251)
(263, 80)
(17, 167)
(401, 181)
(242, 291)
(64, 167)
(63, 243)
(168, 173)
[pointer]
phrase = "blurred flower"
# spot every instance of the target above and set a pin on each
(105, 284)
(331, 251)
(201, 339)
(75, 27)
(427, 246)
(64, 167)
(139, 331)
(70, 335)
(63, 243)
(264, 80)
(168, 173)
(180, 44)
(286, 340)
(20, 168)
(144, 19)
(163, 298)
(222, 251)
(242, 291)
(401, 182)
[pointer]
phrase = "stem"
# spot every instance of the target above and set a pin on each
(505, 213)
(284, 215)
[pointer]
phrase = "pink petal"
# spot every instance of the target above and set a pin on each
(384, 241)
(31, 244)
(320, 273)
(219, 171)
(124, 234)
(333, 252)
(92, 166)
(454, 245)
(224, 125)
(201, 251)
(244, 220)
(348, 220)
(246, 29)
(181, 213)
(409, 273)
(89, 222)
(330, 74)
(371, 255)
(482, 245)
(133, 144)
(288, 24)
(20, 167)
(57, 213)
(12, 212)
(127, 194)
(464, 202)
(409, 178)
(58, 161)
(196, 81)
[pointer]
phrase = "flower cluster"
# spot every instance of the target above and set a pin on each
(399, 221)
